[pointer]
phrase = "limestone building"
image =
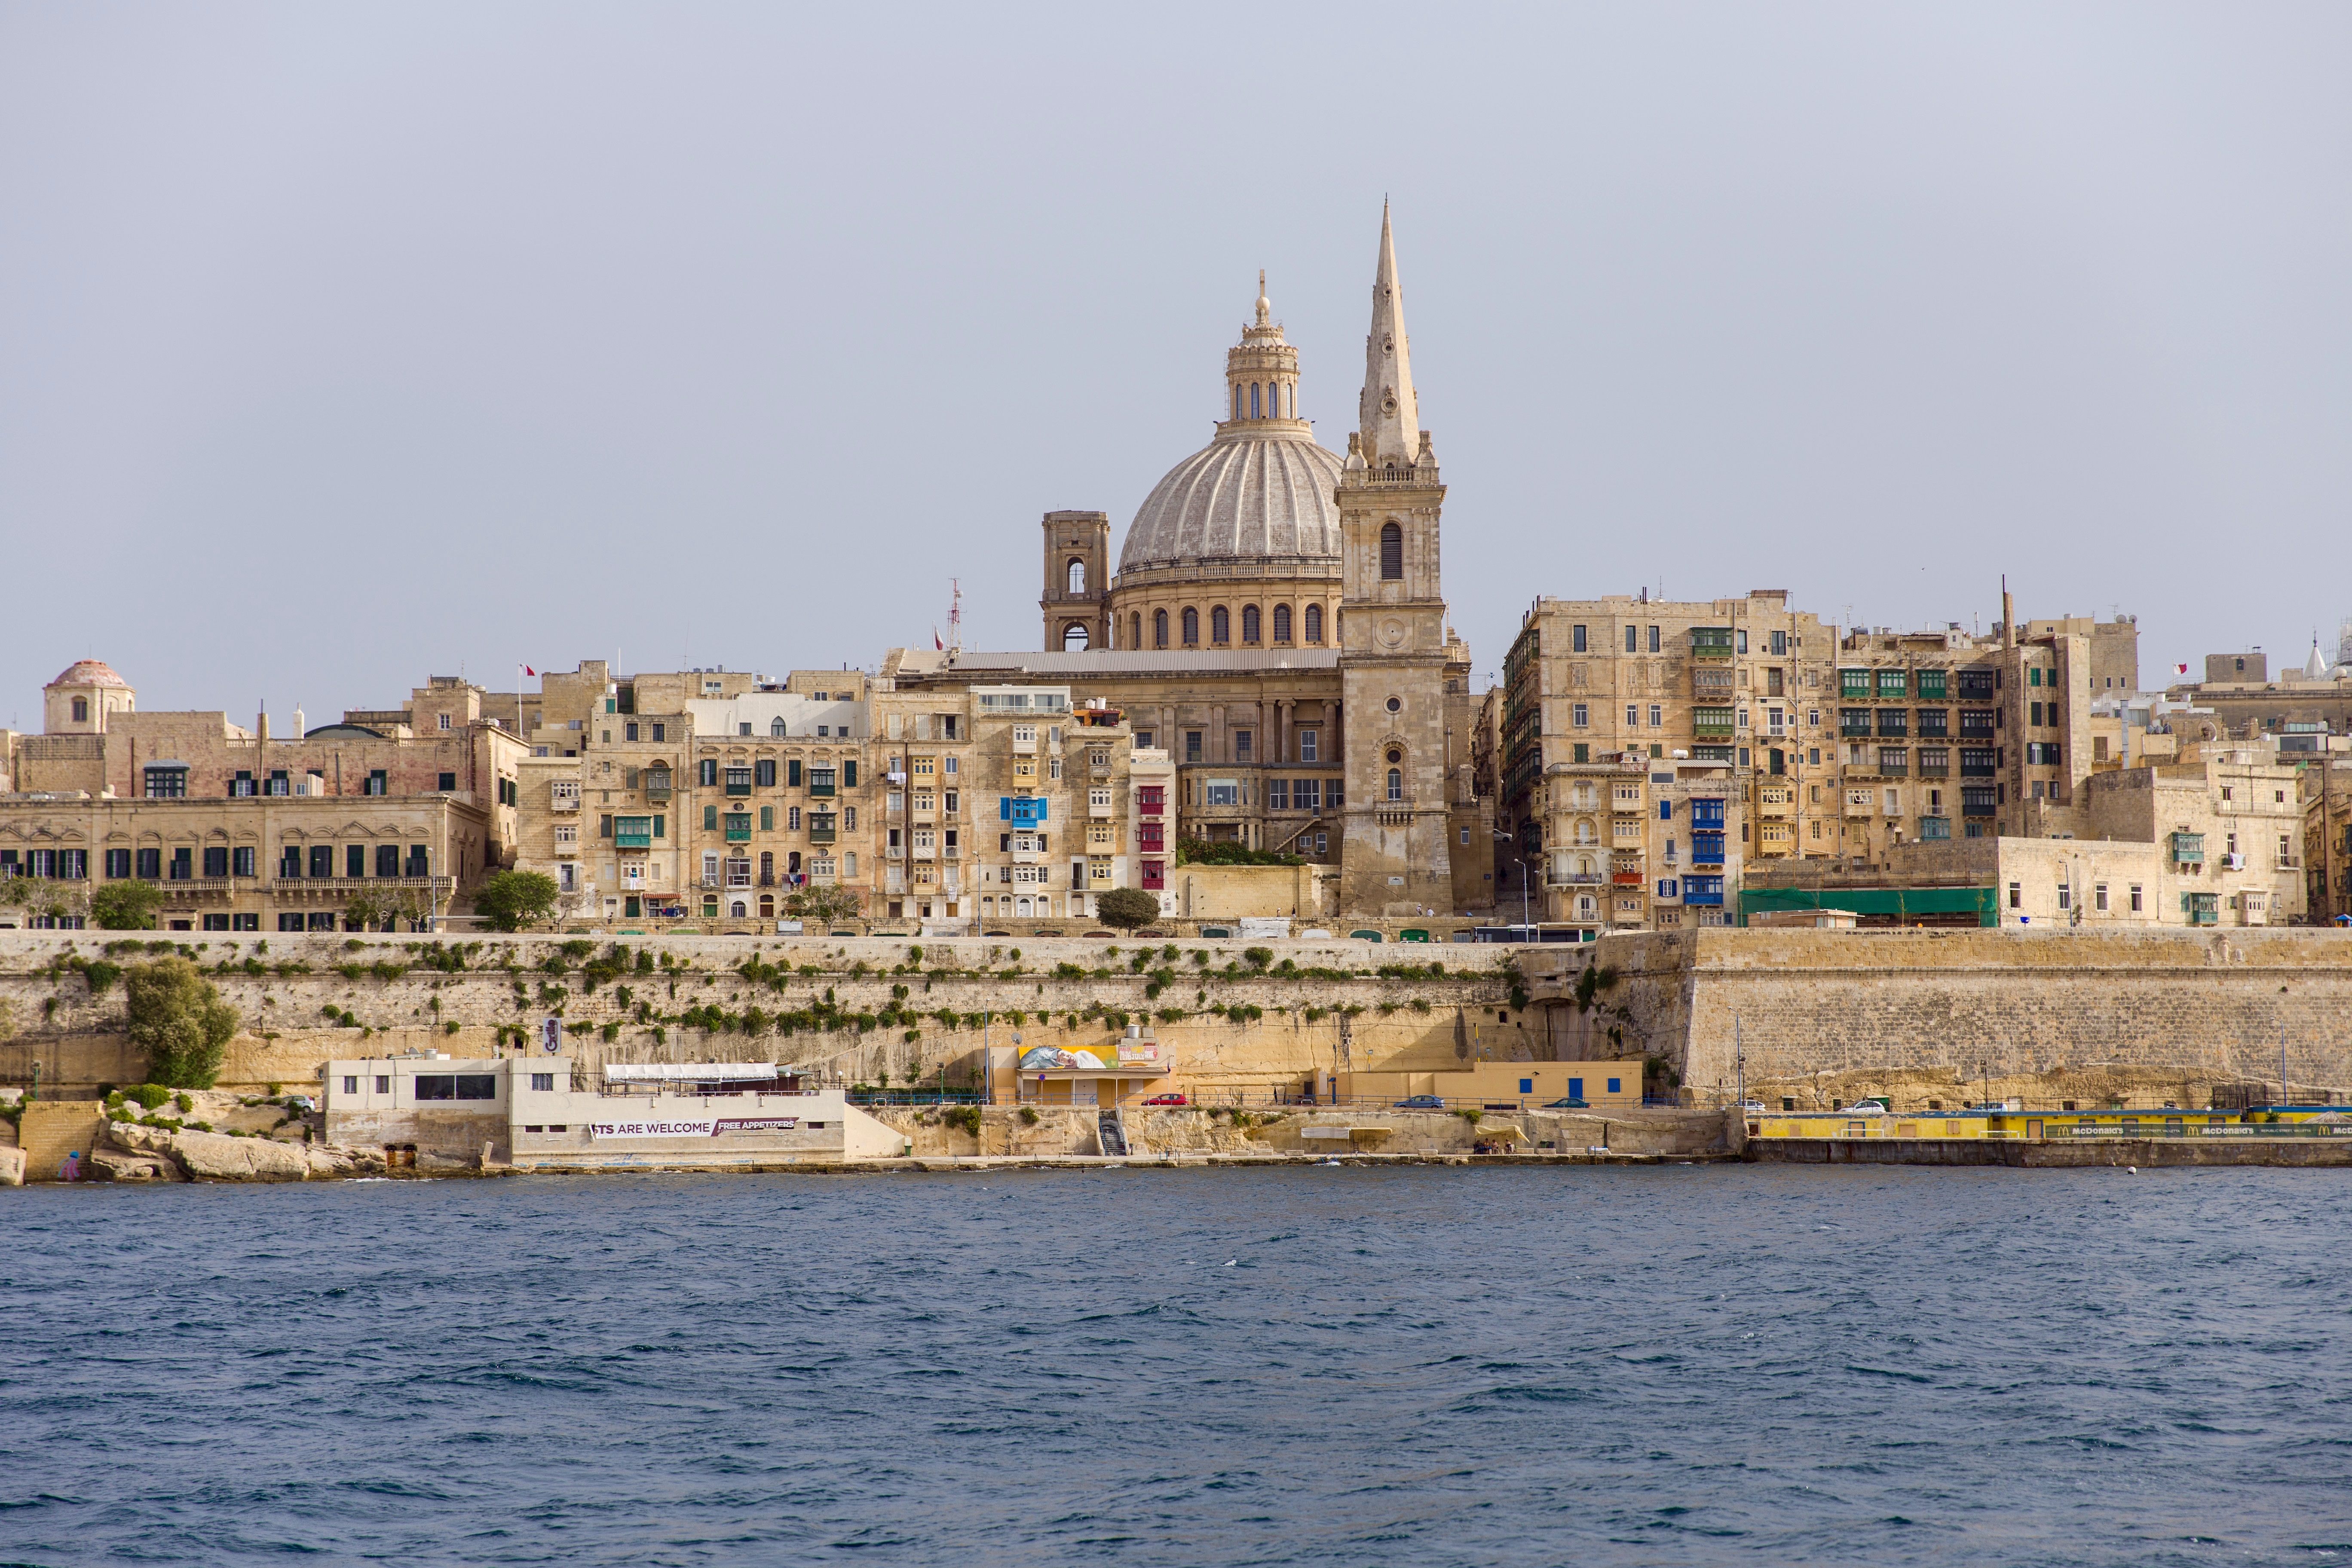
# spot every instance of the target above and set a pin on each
(384, 816)
(1277, 628)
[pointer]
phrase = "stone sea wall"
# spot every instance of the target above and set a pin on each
(1959, 1016)
(844, 1010)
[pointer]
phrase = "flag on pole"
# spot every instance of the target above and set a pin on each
(527, 671)
(936, 646)
(2179, 669)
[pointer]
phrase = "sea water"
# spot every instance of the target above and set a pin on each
(1684, 1364)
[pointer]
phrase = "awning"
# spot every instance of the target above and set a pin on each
(686, 1072)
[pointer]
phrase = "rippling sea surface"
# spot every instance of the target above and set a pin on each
(1692, 1364)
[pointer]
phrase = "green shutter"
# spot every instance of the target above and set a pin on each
(849, 773)
(661, 826)
(793, 773)
(710, 819)
(767, 818)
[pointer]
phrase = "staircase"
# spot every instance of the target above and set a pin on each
(1112, 1132)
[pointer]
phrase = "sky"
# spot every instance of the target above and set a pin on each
(344, 345)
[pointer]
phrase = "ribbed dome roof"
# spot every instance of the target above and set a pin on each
(89, 672)
(1250, 494)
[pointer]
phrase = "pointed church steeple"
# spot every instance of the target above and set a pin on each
(1388, 414)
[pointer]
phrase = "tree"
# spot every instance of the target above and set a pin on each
(178, 1020)
(510, 901)
(1129, 909)
(826, 901)
(367, 910)
(126, 906)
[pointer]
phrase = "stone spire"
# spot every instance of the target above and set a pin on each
(1388, 416)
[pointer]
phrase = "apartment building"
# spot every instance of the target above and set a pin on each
(2323, 789)
(1723, 699)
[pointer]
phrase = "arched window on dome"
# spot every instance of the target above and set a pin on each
(1281, 623)
(1396, 783)
(1074, 637)
(1134, 631)
(1249, 623)
(1220, 625)
(1191, 626)
(1158, 628)
(1078, 575)
(1392, 552)
(1254, 413)
(1315, 624)
(1237, 400)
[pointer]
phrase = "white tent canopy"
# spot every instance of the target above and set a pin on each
(686, 1072)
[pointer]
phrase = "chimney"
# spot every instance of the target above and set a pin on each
(261, 725)
(2008, 615)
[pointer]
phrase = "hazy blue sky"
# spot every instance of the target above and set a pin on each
(341, 345)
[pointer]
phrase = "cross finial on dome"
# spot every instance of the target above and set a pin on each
(1265, 309)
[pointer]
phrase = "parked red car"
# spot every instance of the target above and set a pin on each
(1168, 1099)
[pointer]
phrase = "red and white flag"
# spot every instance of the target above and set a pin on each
(527, 671)
(936, 646)
(2179, 669)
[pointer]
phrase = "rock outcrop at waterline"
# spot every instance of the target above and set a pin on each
(156, 1153)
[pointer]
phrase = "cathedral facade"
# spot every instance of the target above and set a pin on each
(1277, 623)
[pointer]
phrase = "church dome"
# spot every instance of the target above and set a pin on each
(89, 672)
(1246, 496)
(1262, 491)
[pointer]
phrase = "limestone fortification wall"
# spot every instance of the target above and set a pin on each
(2144, 1015)
(53, 1021)
(1958, 1015)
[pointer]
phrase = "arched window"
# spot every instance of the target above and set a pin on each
(1281, 623)
(1237, 400)
(1396, 783)
(1078, 575)
(1391, 550)
(1191, 626)
(1158, 628)
(1254, 413)
(1135, 631)
(776, 725)
(1074, 637)
(1315, 623)
(767, 866)
(1249, 623)
(1221, 627)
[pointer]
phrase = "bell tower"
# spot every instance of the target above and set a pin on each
(1394, 648)
(1078, 581)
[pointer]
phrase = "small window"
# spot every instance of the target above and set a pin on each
(1158, 628)
(1315, 624)
(1576, 638)
(543, 1082)
(1191, 626)
(1281, 623)
(1249, 623)
(350, 1083)
(1392, 552)
(1220, 626)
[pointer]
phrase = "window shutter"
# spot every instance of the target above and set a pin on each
(849, 773)
(710, 819)
(793, 773)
